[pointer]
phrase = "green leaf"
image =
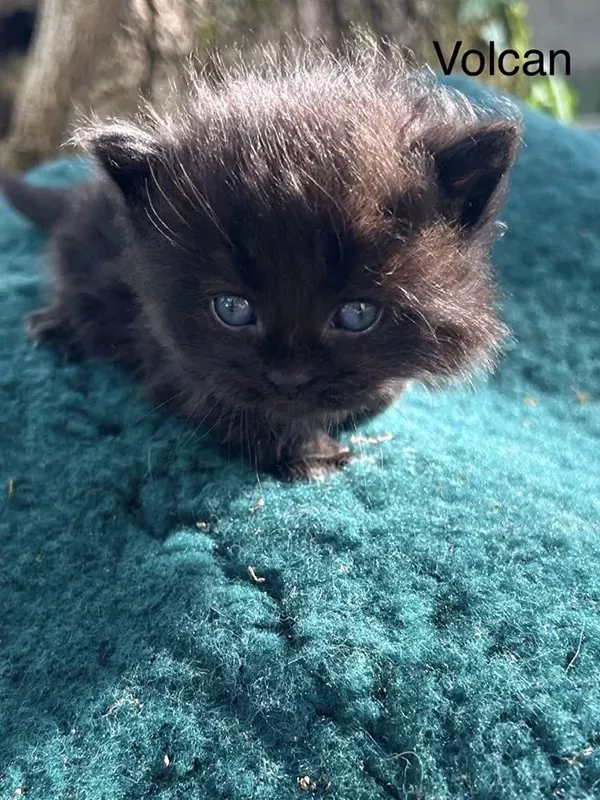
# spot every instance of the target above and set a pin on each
(495, 32)
(516, 19)
(478, 10)
(554, 96)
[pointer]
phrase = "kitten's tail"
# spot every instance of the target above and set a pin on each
(42, 205)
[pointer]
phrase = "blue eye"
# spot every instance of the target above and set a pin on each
(233, 310)
(357, 316)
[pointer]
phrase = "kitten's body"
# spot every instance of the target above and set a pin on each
(301, 191)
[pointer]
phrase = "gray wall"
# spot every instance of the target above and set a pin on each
(575, 26)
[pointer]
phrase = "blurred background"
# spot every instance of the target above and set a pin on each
(60, 59)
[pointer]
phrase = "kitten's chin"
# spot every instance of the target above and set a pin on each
(283, 408)
(327, 409)
(302, 413)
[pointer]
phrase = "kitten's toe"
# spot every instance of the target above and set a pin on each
(48, 326)
(317, 462)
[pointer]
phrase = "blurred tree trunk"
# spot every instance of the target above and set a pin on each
(100, 56)
(405, 22)
(95, 55)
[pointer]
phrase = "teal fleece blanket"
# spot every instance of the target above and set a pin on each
(425, 625)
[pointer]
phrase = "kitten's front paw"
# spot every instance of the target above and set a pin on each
(48, 326)
(316, 460)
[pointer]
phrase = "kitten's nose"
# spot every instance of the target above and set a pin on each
(289, 379)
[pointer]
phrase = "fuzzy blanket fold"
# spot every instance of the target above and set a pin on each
(424, 625)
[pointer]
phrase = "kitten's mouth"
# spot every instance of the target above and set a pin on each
(292, 406)
(325, 405)
(306, 404)
(281, 405)
(302, 407)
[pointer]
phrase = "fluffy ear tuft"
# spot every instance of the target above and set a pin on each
(126, 153)
(470, 171)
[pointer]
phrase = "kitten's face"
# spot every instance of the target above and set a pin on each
(307, 244)
(305, 303)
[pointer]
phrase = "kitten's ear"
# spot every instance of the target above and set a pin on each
(470, 171)
(126, 154)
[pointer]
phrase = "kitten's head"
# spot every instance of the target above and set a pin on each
(312, 236)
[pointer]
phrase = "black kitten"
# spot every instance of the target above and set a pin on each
(285, 252)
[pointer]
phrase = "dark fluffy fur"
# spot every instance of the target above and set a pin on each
(300, 186)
